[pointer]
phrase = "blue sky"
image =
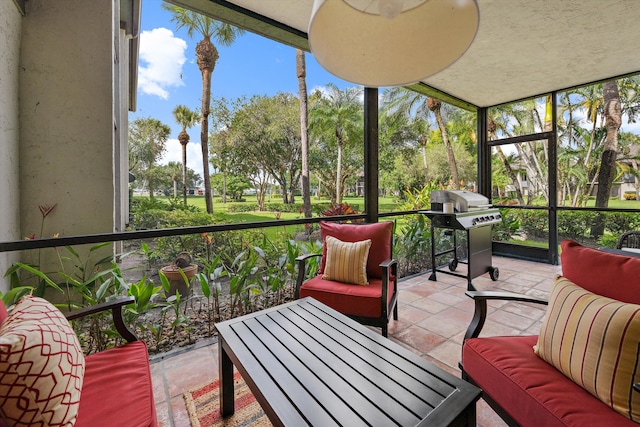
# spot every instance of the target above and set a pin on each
(168, 74)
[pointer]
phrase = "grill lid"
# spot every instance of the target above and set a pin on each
(463, 201)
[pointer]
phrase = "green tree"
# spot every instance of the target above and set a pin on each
(222, 155)
(234, 184)
(147, 142)
(185, 118)
(266, 136)
(206, 56)
(167, 177)
(412, 104)
(336, 118)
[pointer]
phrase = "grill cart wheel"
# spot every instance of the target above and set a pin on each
(494, 273)
(453, 264)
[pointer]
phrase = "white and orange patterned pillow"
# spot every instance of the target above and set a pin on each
(347, 261)
(41, 366)
(595, 341)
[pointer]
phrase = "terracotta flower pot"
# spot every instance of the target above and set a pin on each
(176, 281)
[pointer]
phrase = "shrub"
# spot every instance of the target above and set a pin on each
(533, 222)
(619, 222)
(243, 207)
(574, 225)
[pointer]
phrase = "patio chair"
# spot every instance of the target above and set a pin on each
(629, 241)
(357, 275)
(46, 380)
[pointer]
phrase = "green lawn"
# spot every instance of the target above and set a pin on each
(386, 204)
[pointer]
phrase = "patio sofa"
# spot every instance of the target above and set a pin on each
(590, 335)
(45, 380)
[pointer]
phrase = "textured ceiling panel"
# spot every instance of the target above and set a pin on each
(523, 47)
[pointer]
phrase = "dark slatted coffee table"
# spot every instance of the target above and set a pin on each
(307, 364)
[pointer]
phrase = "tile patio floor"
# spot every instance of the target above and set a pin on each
(433, 316)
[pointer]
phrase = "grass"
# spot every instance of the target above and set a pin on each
(385, 204)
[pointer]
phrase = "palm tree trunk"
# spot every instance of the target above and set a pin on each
(204, 138)
(301, 71)
(613, 120)
(224, 187)
(425, 163)
(184, 173)
(339, 174)
(511, 174)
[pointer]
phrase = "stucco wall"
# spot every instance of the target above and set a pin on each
(10, 23)
(66, 117)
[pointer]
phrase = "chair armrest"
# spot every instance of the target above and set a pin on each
(387, 263)
(385, 266)
(116, 312)
(301, 261)
(480, 313)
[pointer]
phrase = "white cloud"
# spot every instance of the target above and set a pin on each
(174, 154)
(161, 59)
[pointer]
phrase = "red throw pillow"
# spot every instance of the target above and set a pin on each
(379, 233)
(41, 366)
(603, 273)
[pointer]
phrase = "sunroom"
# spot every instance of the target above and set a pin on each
(71, 71)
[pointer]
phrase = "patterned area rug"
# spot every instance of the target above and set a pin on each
(203, 406)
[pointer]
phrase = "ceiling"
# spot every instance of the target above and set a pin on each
(523, 48)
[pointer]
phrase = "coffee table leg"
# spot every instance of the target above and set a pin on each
(225, 366)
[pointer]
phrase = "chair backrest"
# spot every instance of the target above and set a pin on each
(630, 239)
(610, 275)
(380, 233)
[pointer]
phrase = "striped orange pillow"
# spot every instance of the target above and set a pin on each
(595, 341)
(347, 261)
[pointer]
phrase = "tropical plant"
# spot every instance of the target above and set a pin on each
(507, 228)
(411, 246)
(206, 57)
(339, 209)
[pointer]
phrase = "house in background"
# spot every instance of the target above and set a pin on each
(68, 71)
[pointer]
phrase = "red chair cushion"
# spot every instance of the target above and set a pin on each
(379, 233)
(535, 392)
(603, 273)
(3, 312)
(117, 388)
(348, 299)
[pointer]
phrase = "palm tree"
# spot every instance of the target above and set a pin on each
(185, 118)
(338, 113)
(206, 56)
(301, 72)
(409, 103)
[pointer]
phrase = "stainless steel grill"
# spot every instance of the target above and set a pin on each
(477, 224)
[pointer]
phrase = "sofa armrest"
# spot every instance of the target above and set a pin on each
(302, 266)
(480, 313)
(116, 312)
